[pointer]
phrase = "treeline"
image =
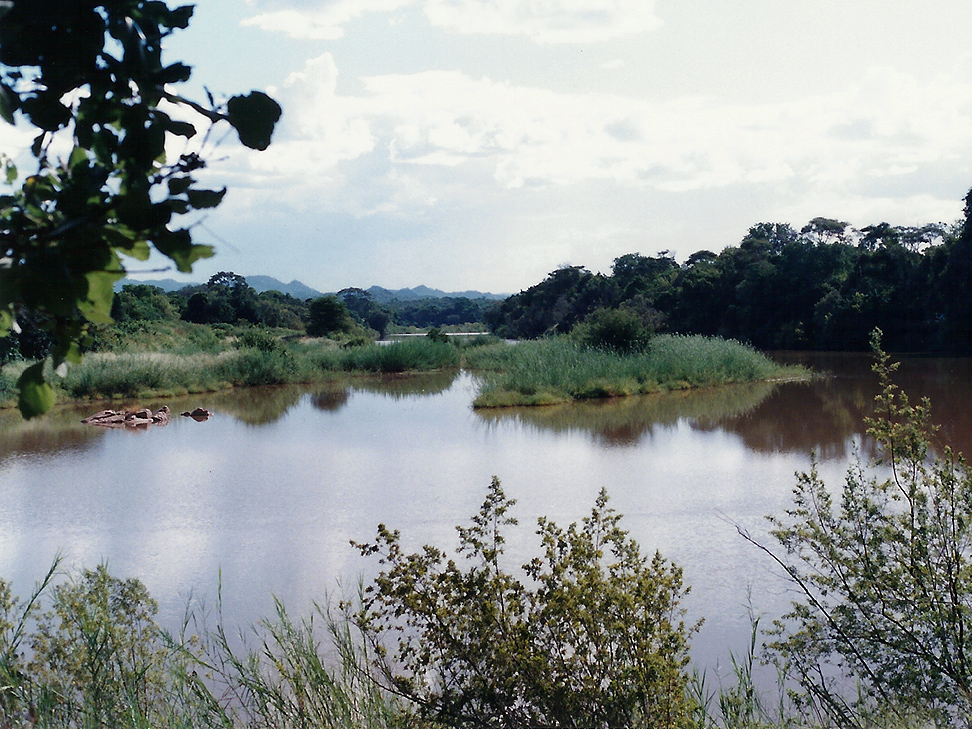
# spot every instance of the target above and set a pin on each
(227, 298)
(826, 286)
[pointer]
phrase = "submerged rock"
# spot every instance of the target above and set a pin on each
(199, 414)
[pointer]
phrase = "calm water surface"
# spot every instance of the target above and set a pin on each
(264, 497)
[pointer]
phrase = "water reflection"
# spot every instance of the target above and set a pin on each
(824, 415)
(845, 396)
(256, 406)
(270, 509)
(61, 431)
(625, 422)
(405, 386)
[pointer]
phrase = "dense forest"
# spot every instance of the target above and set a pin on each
(826, 286)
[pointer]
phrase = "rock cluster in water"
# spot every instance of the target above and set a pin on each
(141, 418)
(129, 418)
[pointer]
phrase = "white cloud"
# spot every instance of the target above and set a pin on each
(410, 144)
(325, 23)
(543, 21)
(546, 21)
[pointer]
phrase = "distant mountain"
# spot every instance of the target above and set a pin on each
(295, 288)
(302, 291)
(383, 296)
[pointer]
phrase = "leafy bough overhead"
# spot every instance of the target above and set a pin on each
(88, 76)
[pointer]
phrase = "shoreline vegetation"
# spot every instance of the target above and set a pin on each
(200, 358)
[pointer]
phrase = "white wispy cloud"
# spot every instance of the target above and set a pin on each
(546, 21)
(325, 21)
(479, 161)
(543, 21)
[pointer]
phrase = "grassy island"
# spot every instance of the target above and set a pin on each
(549, 371)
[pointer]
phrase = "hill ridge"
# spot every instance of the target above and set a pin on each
(300, 290)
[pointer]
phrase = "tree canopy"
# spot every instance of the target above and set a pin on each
(89, 77)
(824, 287)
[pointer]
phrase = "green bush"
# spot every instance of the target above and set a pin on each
(882, 568)
(592, 636)
(253, 366)
(258, 339)
(328, 314)
(96, 656)
(8, 386)
(618, 330)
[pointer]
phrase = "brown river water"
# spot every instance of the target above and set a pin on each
(262, 499)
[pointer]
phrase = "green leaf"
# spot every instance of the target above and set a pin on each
(73, 353)
(46, 112)
(65, 351)
(97, 307)
(178, 185)
(181, 128)
(6, 321)
(120, 236)
(178, 245)
(36, 396)
(254, 117)
(174, 74)
(179, 17)
(139, 250)
(6, 104)
(205, 198)
(78, 156)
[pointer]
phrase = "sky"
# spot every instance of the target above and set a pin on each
(481, 144)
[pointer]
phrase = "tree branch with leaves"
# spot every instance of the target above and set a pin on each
(882, 570)
(89, 77)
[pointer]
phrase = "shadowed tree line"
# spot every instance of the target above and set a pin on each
(826, 286)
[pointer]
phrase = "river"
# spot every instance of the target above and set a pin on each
(262, 499)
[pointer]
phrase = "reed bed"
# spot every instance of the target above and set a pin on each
(560, 369)
(539, 372)
(110, 375)
(250, 361)
(411, 355)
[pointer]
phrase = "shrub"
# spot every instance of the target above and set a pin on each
(619, 330)
(328, 314)
(883, 570)
(8, 386)
(252, 366)
(593, 637)
(561, 369)
(97, 655)
(259, 339)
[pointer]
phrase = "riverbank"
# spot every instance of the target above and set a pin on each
(541, 372)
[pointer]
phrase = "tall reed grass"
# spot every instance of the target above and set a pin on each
(560, 369)
(410, 355)
(85, 651)
(253, 362)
